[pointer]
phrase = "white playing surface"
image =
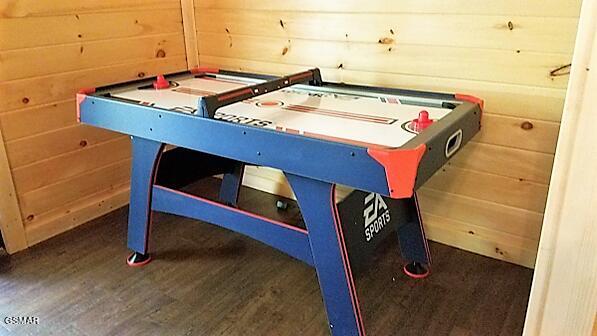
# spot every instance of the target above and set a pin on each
(343, 115)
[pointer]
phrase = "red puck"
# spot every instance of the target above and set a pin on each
(422, 122)
(161, 83)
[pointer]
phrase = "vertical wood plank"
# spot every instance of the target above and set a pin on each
(564, 293)
(11, 222)
(83, 45)
(370, 43)
(190, 33)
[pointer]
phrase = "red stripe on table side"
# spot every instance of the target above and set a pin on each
(347, 270)
(401, 166)
(250, 214)
(234, 94)
(339, 114)
(154, 173)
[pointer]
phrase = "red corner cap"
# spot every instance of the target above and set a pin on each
(204, 70)
(401, 167)
(470, 99)
(86, 91)
(80, 98)
(81, 95)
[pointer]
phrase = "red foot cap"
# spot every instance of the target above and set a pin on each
(138, 260)
(161, 83)
(422, 122)
(416, 272)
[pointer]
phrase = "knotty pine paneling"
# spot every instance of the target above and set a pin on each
(490, 198)
(502, 66)
(519, 33)
(54, 195)
(22, 94)
(539, 8)
(64, 29)
(57, 142)
(56, 168)
(18, 63)
(65, 173)
(36, 8)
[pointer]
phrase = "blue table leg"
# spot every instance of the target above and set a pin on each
(146, 155)
(231, 184)
(413, 243)
(316, 200)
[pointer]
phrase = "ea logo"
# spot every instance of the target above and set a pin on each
(376, 215)
(269, 103)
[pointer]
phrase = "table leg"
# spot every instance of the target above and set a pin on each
(146, 156)
(413, 243)
(316, 200)
(231, 184)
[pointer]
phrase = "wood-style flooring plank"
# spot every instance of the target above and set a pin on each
(209, 281)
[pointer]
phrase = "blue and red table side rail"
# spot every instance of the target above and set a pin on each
(400, 165)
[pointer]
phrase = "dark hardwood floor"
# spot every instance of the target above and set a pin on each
(205, 280)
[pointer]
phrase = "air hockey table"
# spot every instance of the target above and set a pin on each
(382, 143)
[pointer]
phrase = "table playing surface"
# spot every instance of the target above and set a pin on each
(366, 118)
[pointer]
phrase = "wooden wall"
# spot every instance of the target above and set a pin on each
(563, 298)
(490, 199)
(65, 173)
